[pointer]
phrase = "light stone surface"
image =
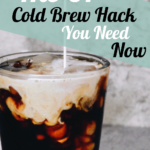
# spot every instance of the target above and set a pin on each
(12, 43)
(125, 138)
(128, 97)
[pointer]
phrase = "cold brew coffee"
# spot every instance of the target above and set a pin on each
(46, 107)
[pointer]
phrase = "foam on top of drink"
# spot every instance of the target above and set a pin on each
(51, 65)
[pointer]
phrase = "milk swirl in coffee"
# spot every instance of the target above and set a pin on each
(60, 113)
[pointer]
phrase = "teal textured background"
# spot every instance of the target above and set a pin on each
(51, 32)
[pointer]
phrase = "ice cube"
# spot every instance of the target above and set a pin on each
(50, 64)
(75, 65)
(80, 68)
(40, 63)
(43, 58)
(39, 59)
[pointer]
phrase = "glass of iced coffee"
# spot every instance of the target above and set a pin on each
(44, 106)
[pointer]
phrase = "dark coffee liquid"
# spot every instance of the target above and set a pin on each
(79, 130)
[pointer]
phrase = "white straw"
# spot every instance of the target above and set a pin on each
(65, 59)
(65, 49)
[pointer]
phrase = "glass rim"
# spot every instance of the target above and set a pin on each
(10, 74)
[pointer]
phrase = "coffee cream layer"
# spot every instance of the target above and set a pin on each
(44, 100)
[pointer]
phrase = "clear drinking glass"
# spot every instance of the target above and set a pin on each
(52, 112)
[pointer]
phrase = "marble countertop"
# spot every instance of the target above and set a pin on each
(125, 138)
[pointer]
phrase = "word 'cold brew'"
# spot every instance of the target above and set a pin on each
(46, 107)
